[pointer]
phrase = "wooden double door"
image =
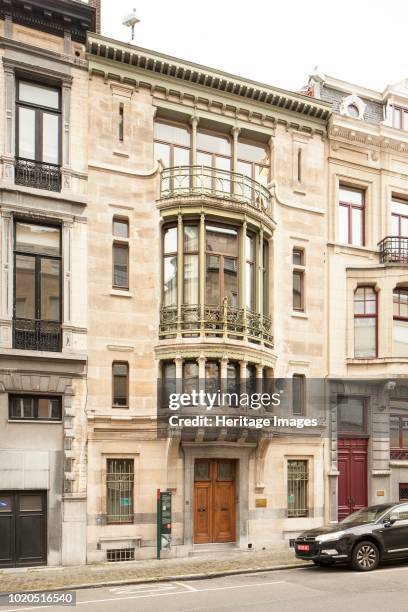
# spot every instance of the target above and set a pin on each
(214, 500)
(352, 465)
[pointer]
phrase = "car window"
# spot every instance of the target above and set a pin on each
(365, 515)
(400, 514)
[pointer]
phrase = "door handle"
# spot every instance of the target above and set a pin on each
(202, 509)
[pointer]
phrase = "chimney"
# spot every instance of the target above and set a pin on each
(97, 6)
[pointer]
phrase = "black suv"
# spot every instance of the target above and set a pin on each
(362, 539)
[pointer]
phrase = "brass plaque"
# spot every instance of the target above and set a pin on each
(380, 493)
(261, 502)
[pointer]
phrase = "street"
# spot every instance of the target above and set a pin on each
(305, 589)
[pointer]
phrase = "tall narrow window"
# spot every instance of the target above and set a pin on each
(37, 287)
(190, 264)
(121, 121)
(265, 277)
(233, 378)
(120, 384)
(212, 376)
(298, 394)
(298, 299)
(214, 156)
(399, 217)
(299, 165)
(120, 253)
(119, 490)
(38, 135)
(253, 162)
(190, 376)
(250, 272)
(221, 265)
(365, 322)
(400, 323)
(298, 476)
(170, 267)
(400, 117)
(351, 215)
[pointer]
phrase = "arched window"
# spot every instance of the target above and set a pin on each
(365, 323)
(400, 322)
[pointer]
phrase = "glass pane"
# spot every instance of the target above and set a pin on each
(400, 336)
(170, 240)
(405, 120)
(344, 224)
(223, 163)
(120, 384)
(221, 240)
(6, 503)
(262, 174)
(212, 377)
(190, 376)
(351, 196)
(394, 431)
(395, 225)
(47, 408)
(212, 280)
(25, 287)
(297, 257)
(249, 280)
(404, 226)
(399, 207)
(357, 226)
(204, 159)
(162, 152)
(50, 290)
(121, 228)
(120, 265)
(233, 379)
(202, 470)
(39, 94)
(364, 337)
(253, 152)
(170, 281)
(190, 238)
(231, 281)
(30, 503)
(26, 133)
(40, 239)
(249, 248)
(297, 290)
(350, 415)
(172, 133)
(224, 470)
(181, 157)
(190, 279)
(169, 370)
(397, 118)
(405, 433)
(298, 390)
(50, 153)
(213, 143)
(120, 369)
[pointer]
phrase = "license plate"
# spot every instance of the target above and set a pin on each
(303, 547)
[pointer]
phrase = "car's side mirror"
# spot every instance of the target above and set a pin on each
(390, 519)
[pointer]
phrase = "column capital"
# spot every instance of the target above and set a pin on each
(235, 131)
(194, 120)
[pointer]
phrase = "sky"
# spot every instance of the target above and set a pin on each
(278, 43)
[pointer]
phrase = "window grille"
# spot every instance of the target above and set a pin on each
(119, 481)
(120, 554)
(298, 477)
(403, 491)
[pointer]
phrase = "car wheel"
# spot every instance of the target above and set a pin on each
(365, 557)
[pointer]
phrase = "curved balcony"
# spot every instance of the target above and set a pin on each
(394, 249)
(215, 322)
(191, 181)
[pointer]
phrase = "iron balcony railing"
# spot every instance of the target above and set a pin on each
(394, 249)
(37, 174)
(399, 454)
(36, 335)
(215, 321)
(187, 181)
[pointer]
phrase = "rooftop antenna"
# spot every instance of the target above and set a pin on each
(130, 21)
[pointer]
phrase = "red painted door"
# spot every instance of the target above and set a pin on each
(352, 465)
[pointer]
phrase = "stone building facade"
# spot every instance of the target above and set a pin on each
(43, 323)
(367, 323)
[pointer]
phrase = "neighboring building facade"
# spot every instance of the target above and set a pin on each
(43, 195)
(367, 276)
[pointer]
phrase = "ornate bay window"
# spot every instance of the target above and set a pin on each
(215, 280)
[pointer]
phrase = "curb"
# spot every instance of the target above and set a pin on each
(154, 579)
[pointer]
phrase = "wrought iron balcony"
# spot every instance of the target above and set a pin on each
(394, 249)
(188, 181)
(36, 335)
(216, 322)
(37, 174)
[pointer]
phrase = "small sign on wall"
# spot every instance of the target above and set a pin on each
(380, 493)
(261, 502)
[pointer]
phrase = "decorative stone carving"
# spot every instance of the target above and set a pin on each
(353, 106)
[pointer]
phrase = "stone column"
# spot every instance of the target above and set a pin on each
(259, 275)
(201, 273)
(66, 174)
(9, 125)
(179, 373)
(180, 272)
(235, 133)
(242, 277)
(6, 335)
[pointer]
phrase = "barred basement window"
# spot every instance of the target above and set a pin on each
(298, 476)
(120, 554)
(403, 491)
(119, 484)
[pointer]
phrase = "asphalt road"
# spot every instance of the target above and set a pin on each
(305, 589)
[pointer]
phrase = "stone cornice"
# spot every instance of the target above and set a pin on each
(146, 64)
(379, 136)
(40, 52)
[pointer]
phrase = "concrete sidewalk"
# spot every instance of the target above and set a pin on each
(104, 574)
